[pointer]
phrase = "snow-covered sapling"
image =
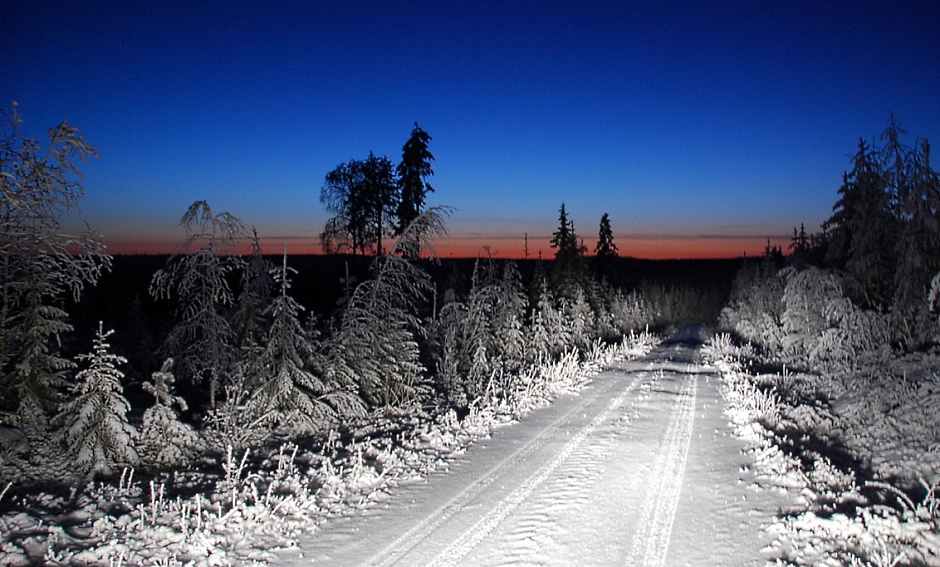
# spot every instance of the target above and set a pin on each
(95, 433)
(165, 441)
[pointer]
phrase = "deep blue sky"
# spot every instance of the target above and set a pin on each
(702, 128)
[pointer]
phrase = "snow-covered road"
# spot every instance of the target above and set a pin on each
(640, 468)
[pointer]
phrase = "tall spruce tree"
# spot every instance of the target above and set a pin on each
(569, 271)
(605, 240)
(413, 171)
(863, 229)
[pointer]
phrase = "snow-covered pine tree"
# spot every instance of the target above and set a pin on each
(580, 320)
(509, 318)
(95, 433)
(165, 441)
(40, 373)
(291, 394)
(549, 335)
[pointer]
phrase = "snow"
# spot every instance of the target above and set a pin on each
(659, 460)
(638, 468)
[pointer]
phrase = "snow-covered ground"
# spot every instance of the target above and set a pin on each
(639, 468)
(633, 458)
(857, 451)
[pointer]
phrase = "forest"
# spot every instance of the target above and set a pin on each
(181, 373)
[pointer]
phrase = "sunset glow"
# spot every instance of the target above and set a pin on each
(702, 130)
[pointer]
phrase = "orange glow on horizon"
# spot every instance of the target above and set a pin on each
(648, 247)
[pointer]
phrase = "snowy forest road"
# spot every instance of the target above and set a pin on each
(640, 468)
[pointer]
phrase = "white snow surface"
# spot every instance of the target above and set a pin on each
(639, 468)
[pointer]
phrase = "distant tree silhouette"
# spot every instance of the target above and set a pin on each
(605, 240)
(569, 271)
(413, 171)
(774, 253)
(363, 195)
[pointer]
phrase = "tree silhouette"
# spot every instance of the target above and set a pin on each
(568, 271)
(363, 195)
(885, 231)
(605, 240)
(413, 171)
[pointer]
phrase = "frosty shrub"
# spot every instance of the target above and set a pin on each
(230, 424)
(628, 312)
(165, 441)
(721, 348)
(822, 326)
(95, 435)
(755, 308)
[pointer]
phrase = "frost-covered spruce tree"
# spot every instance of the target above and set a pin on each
(40, 262)
(197, 276)
(484, 334)
(375, 346)
(95, 434)
(580, 318)
(468, 340)
(549, 335)
(165, 441)
(292, 395)
(509, 318)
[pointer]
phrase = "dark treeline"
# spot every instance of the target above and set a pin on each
(122, 301)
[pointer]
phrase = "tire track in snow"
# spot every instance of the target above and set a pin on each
(397, 550)
(477, 532)
(664, 484)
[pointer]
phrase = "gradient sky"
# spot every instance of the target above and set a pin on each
(702, 128)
